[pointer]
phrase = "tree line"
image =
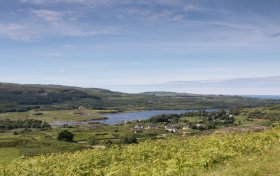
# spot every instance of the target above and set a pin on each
(8, 124)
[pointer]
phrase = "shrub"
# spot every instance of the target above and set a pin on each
(108, 143)
(130, 140)
(38, 114)
(65, 135)
(92, 140)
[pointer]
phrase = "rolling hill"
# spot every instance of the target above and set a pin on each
(17, 97)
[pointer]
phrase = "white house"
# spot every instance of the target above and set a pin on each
(186, 127)
(171, 129)
(138, 127)
(152, 127)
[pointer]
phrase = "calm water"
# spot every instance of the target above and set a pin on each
(117, 118)
(141, 115)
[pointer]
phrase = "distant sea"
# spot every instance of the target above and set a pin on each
(275, 97)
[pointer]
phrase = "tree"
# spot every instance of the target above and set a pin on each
(130, 140)
(92, 140)
(65, 135)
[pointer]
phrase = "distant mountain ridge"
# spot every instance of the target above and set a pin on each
(276, 97)
(166, 94)
(19, 97)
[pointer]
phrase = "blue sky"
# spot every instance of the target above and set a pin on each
(143, 45)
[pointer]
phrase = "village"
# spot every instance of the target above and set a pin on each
(185, 123)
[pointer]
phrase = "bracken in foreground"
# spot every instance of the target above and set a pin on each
(175, 156)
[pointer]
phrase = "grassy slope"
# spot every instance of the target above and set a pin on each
(9, 154)
(258, 164)
(31, 144)
(184, 156)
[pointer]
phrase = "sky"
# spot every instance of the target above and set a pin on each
(195, 46)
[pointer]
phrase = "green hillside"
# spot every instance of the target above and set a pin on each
(200, 155)
(18, 98)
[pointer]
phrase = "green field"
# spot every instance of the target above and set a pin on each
(56, 115)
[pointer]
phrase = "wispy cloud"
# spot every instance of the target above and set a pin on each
(33, 1)
(151, 15)
(274, 35)
(18, 32)
(35, 32)
(48, 15)
(48, 54)
(69, 47)
(50, 23)
(190, 7)
(86, 2)
(238, 86)
(205, 19)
